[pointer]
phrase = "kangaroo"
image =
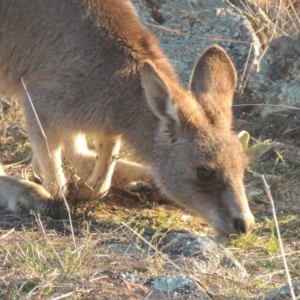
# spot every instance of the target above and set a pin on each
(92, 67)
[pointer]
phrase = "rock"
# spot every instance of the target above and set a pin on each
(130, 249)
(278, 82)
(284, 293)
(201, 254)
(195, 253)
(131, 276)
(189, 27)
(187, 253)
(179, 285)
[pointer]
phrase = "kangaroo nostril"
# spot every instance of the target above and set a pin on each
(239, 225)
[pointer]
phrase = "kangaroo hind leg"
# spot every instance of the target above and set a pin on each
(107, 149)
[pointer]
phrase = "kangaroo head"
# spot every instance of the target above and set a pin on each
(198, 160)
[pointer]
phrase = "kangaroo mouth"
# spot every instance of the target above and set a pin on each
(234, 225)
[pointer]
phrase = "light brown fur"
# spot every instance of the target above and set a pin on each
(22, 194)
(91, 67)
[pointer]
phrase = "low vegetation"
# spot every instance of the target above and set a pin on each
(41, 259)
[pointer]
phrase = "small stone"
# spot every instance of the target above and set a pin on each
(284, 293)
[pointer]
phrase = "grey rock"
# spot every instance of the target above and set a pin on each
(194, 253)
(130, 249)
(278, 82)
(191, 26)
(131, 276)
(201, 254)
(179, 285)
(284, 293)
(184, 254)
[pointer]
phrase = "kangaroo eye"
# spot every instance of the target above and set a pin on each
(205, 174)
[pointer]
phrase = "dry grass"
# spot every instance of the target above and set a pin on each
(40, 260)
(285, 13)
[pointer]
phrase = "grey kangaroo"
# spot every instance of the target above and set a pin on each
(91, 67)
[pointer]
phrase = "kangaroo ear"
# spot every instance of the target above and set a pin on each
(160, 101)
(214, 78)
